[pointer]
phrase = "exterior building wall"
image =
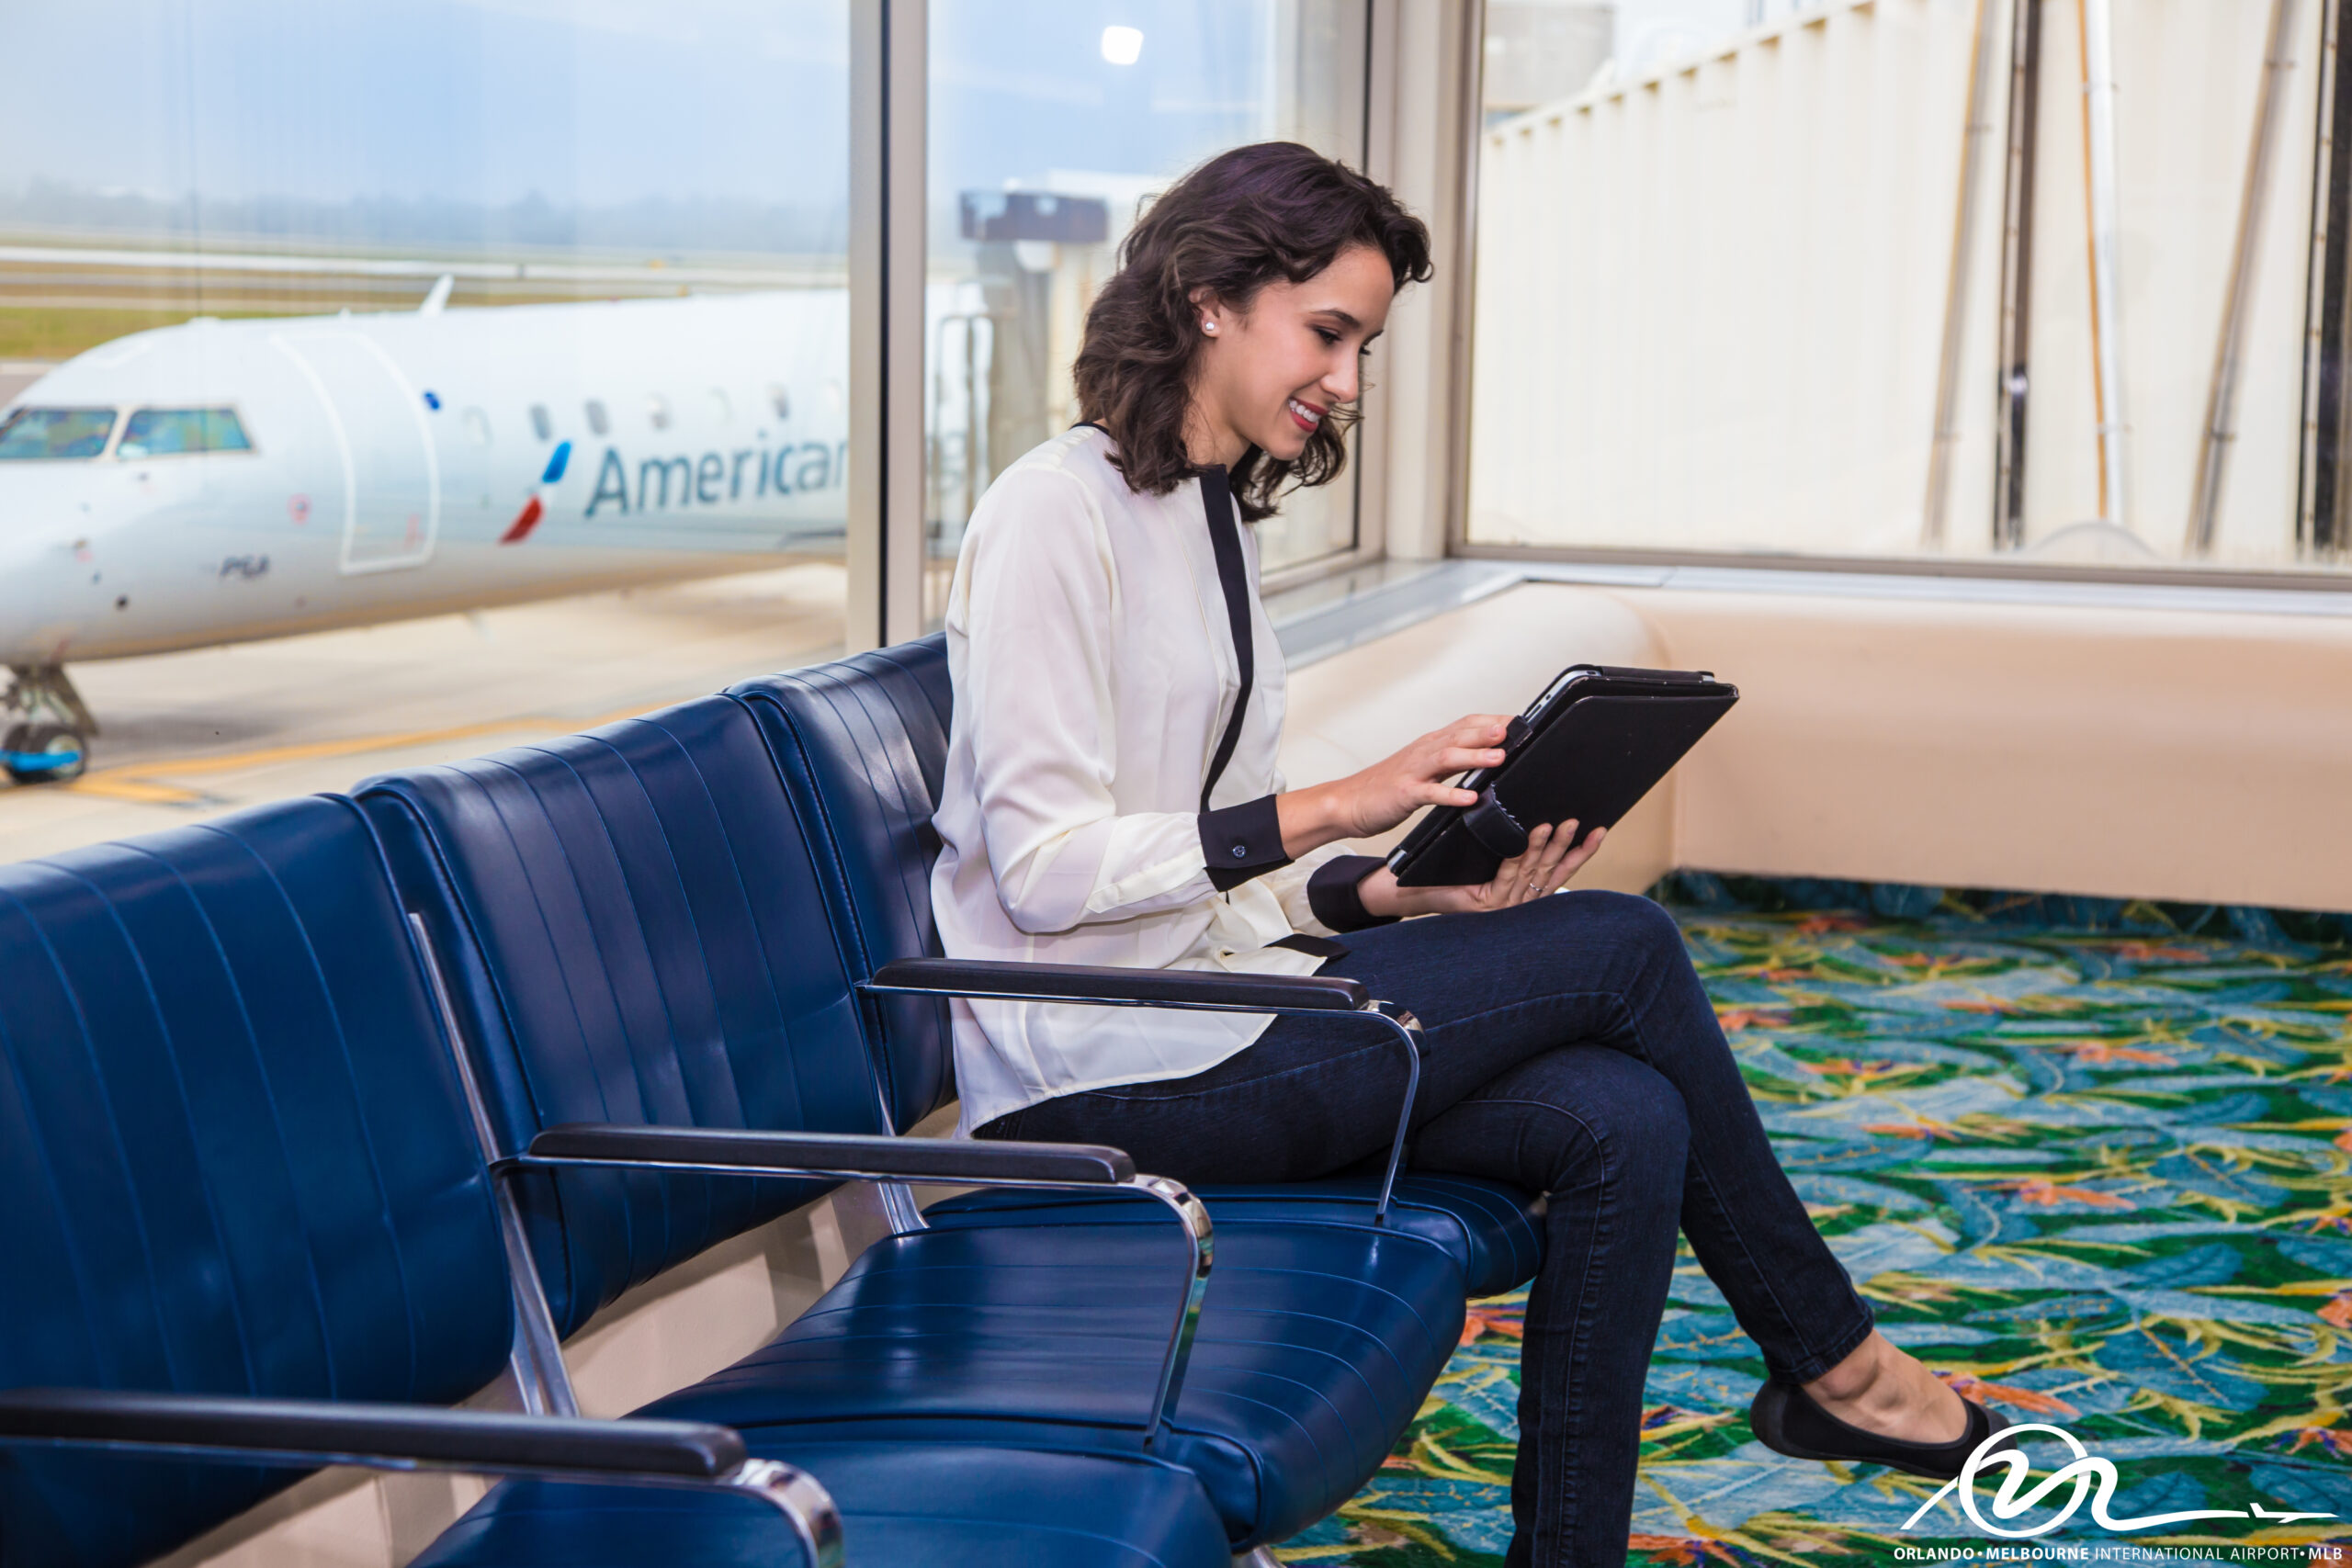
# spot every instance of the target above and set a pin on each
(1711, 297)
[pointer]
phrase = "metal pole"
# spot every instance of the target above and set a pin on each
(2097, 22)
(2221, 402)
(2317, 504)
(1963, 246)
(2017, 277)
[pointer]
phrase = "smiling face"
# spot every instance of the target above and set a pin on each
(1268, 376)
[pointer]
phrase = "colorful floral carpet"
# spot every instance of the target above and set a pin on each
(2091, 1161)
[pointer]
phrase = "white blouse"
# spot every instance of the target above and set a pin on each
(1094, 673)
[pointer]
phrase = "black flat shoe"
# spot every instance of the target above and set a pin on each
(1787, 1421)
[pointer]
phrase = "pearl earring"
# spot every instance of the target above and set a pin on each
(1207, 326)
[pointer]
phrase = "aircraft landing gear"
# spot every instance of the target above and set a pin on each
(50, 742)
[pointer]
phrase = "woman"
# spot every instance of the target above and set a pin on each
(1112, 797)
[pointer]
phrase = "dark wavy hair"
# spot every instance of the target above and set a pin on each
(1272, 210)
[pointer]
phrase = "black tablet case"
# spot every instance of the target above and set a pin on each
(1590, 748)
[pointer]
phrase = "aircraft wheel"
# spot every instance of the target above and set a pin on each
(44, 753)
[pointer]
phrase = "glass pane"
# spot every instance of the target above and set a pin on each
(1050, 122)
(491, 299)
(54, 432)
(162, 433)
(1747, 282)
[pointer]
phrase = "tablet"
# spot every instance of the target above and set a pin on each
(1590, 748)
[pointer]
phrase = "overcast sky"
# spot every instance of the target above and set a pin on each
(602, 101)
(476, 100)
(599, 101)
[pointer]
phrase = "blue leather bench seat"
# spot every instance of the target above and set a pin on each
(862, 744)
(636, 931)
(1317, 1348)
(234, 1160)
(902, 1506)
(1493, 1230)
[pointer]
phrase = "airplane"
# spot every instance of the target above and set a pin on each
(219, 481)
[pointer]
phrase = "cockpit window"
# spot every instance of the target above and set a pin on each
(32, 434)
(163, 433)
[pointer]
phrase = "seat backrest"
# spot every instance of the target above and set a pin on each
(234, 1159)
(632, 931)
(862, 744)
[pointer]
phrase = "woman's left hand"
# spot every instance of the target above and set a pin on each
(1553, 857)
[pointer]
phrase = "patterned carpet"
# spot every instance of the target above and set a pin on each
(2092, 1160)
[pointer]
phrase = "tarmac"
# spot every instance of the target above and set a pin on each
(16, 375)
(188, 736)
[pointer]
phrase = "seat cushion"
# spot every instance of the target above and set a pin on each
(1493, 1230)
(1316, 1348)
(902, 1506)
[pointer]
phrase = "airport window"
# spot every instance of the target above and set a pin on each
(165, 432)
(1047, 129)
(37, 433)
(657, 411)
(362, 228)
(1736, 299)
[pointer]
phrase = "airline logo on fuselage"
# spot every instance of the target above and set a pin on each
(715, 479)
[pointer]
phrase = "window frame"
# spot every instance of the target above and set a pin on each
(2317, 580)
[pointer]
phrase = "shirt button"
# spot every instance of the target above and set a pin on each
(1240, 851)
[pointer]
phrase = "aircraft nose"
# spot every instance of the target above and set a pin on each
(36, 622)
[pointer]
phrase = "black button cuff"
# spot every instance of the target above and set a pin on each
(1334, 894)
(1238, 842)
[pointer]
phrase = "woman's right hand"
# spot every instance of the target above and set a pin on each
(1382, 795)
(1554, 855)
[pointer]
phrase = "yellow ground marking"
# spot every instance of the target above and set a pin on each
(147, 782)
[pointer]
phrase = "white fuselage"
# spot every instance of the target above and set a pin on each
(403, 465)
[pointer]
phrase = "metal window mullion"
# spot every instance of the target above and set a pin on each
(889, 61)
(1470, 125)
(1375, 435)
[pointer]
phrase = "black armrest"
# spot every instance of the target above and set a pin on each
(1133, 987)
(836, 1154)
(1217, 992)
(322, 1432)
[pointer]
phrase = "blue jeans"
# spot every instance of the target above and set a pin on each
(1571, 1050)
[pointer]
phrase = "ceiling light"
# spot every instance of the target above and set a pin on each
(1122, 46)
